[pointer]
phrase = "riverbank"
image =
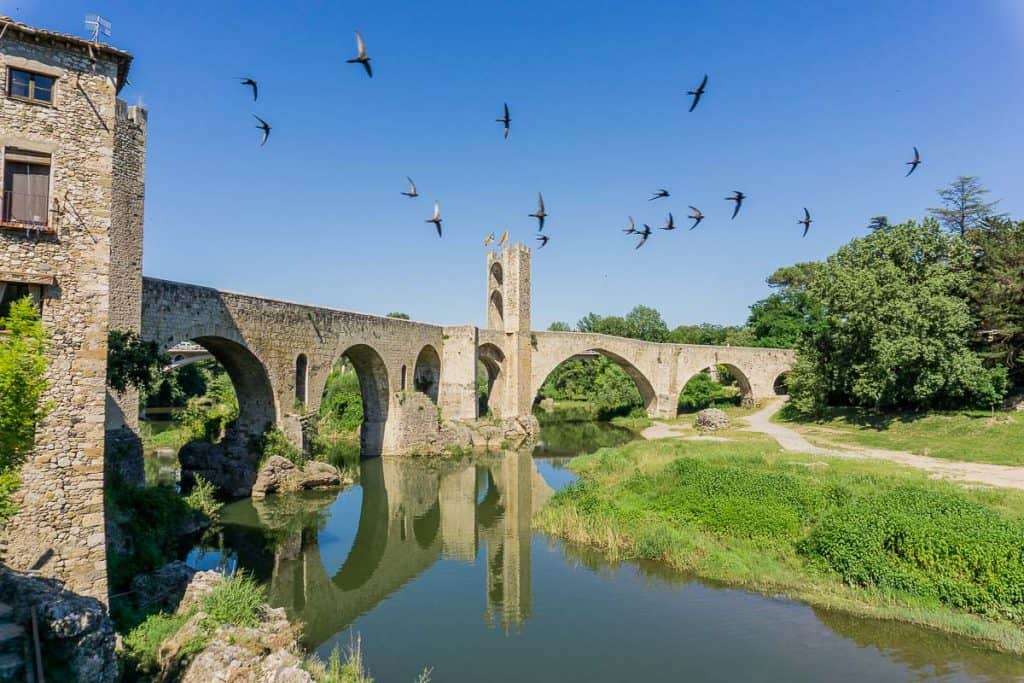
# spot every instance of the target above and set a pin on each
(863, 537)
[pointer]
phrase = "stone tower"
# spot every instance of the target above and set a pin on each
(58, 130)
(508, 313)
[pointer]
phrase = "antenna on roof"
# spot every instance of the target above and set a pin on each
(97, 26)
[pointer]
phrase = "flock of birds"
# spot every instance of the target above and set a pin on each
(506, 120)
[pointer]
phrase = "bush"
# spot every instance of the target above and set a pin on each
(203, 497)
(237, 601)
(341, 409)
(927, 543)
(274, 442)
(9, 482)
(22, 381)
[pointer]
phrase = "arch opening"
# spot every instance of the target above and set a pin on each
(354, 406)
(490, 383)
(716, 386)
(496, 311)
(426, 375)
(497, 275)
(606, 383)
(781, 384)
(301, 378)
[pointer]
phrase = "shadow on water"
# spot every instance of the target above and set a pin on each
(434, 562)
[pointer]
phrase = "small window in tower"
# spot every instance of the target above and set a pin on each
(13, 291)
(26, 187)
(30, 86)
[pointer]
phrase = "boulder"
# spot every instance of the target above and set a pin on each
(230, 467)
(280, 475)
(711, 420)
(164, 588)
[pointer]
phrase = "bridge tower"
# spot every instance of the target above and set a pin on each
(508, 313)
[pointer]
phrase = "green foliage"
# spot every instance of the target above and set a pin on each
(783, 318)
(997, 295)
(703, 391)
(9, 482)
(131, 361)
(235, 601)
(896, 327)
(203, 497)
(22, 381)
(274, 442)
(352, 670)
(400, 316)
(706, 333)
(928, 543)
(964, 207)
(341, 409)
(559, 326)
(642, 322)
(599, 381)
(142, 644)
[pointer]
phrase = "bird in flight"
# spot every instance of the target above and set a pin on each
(696, 217)
(252, 84)
(436, 220)
(915, 163)
(644, 234)
(506, 120)
(660, 194)
(541, 213)
(504, 238)
(265, 127)
(361, 57)
(412, 188)
(698, 92)
(631, 230)
(488, 239)
(670, 224)
(806, 222)
(543, 239)
(737, 197)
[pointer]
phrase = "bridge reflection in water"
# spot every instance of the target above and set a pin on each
(414, 512)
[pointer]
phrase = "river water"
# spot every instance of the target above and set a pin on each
(432, 563)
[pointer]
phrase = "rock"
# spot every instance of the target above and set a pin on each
(227, 465)
(279, 475)
(198, 588)
(164, 588)
(711, 420)
(1014, 403)
(547, 405)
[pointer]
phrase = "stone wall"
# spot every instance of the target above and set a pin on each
(61, 498)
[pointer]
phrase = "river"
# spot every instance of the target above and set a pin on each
(432, 563)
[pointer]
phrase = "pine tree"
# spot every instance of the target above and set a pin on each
(963, 206)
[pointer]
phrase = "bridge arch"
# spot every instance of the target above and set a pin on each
(375, 392)
(780, 385)
(741, 378)
(426, 375)
(643, 384)
(493, 360)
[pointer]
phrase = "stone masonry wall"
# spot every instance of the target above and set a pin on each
(61, 497)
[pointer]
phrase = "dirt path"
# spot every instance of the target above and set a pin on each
(792, 440)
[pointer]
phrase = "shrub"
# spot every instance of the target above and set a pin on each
(9, 482)
(131, 361)
(928, 543)
(237, 600)
(142, 644)
(22, 381)
(274, 442)
(203, 497)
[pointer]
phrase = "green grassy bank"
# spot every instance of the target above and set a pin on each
(866, 538)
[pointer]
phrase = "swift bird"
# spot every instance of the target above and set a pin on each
(506, 120)
(644, 234)
(915, 163)
(436, 220)
(806, 222)
(488, 239)
(660, 194)
(631, 230)
(504, 238)
(696, 217)
(698, 92)
(671, 223)
(251, 83)
(543, 239)
(412, 188)
(265, 127)
(541, 213)
(361, 57)
(737, 197)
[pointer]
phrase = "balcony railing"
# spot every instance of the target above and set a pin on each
(25, 210)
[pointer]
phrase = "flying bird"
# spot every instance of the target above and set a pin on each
(506, 120)
(644, 234)
(698, 92)
(504, 238)
(915, 163)
(412, 188)
(361, 57)
(488, 239)
(436, 220)
(806, 222)
(541, 213)
(265, 127)
(543, 239)
(631, 230)
(737, 197)
(251, 83)
(696, 217)
(671, 223)
(660, 194)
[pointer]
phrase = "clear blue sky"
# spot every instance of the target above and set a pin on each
(809, 104)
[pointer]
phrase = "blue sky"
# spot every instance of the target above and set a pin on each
(808, 104)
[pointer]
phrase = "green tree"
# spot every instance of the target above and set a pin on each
(878, 223)
(997, 295)
(559, 326)
(132, 361)
(400, 316)
(341, 408)
(781, 319)
(896, 327)
(963, 206)
(22, 381)
(642, 322)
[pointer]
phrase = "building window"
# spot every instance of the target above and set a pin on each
(13, 291)
(30, 86)
(26, 187)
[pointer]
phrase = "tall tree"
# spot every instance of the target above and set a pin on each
(963, 205)
(997, 295)
(878, 223)
(559, 326)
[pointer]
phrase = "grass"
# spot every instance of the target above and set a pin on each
(868, 538)
(968, 436)
(349, 667)
(163, 434)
